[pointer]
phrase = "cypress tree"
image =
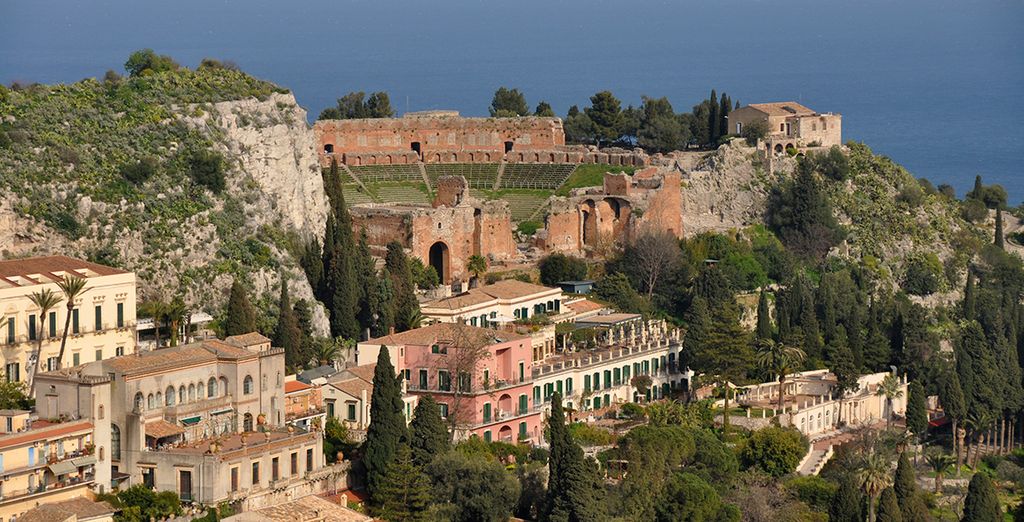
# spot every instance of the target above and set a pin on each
(366, 281)
(970, 300)
(287, 334)
(917, 411)
(888, 507)
(428, 433)
(951, 395)
(982, 503)
(340, 289)
(904, 484)
(979, 190)
(405, 490)
(713, 118)
(848, 503)
(240, 316)
(723, 113)
(698, 323)
(999, 229)
(406, 306)
(572, 481)
(764, 321)
(855, 337)
(978, 370)
(387, 425)
(312, 263)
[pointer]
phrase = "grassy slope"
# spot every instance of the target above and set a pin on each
(589, 176)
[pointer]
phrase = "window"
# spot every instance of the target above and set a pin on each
(181, 395)
(536, 395)
(191, 392)
(618, 377)
(607, 378)
(234, 479)
(255, 473)
(185, 485)
(351, 413)
(568, 386)
(99, 318)
(51, 364)
(586, 383)
(10, 332)
(487, 412)
(119, 351)
(120, 315)
(465, 382)
(523, 404)
(522, 371)
(444, 382)
(115, 442)
(76, 359)
(309, 460)
(522, 430)
(487, 436)
(53, 324)
(151, 402)
(472, 321)
(99, 355)
(211, 387)
(423, 379)
(75, 329)
(435, 349)
(247, 385)
(32, 327)
(139, 401)
(169, 396)
(330, 408)
(444, 410)
(247, 422)
(274, 471)
(295, 463)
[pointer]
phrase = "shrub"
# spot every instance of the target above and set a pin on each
(755, 131)
(911, 195)
(206, 168)
(814, 491)
(560, 267)
(631, 410)
(973, 210)
(140, 171)
(923, 275)
(587, 435)
(529, 228)
(145, 61)
(774, 450)
(832, 163)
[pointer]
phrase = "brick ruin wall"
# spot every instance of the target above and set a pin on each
(453, 139)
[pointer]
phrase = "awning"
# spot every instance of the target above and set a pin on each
(63, 467)
(84, 461)
(159, 429)
(221, 411)
(188, 421)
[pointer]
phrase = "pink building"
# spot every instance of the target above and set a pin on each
(490, 398)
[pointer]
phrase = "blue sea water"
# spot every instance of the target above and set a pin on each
(938, 85)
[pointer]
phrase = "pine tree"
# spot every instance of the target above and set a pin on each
(982, 503)
(764, 321)
(387, 425)
(917, 411)
(572, 482)
(848, 503)
(405, 490)
(287, 334)
(428, 433)
(405, 304)
(904, 483)
(999, 229)
(888, 507)
(240, 316)
(969, 305)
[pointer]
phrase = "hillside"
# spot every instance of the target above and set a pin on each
(124, 172)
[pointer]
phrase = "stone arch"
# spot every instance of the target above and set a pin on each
(536, 157)
(328, 148)
(505, 403)
(779, 149)
(487, 157)
(388, 160)
(439, 257)
(455, 157)
(553, 157)
(437, 157)
(790, 146)
(472, 157)
(505, 433)
(371, 160)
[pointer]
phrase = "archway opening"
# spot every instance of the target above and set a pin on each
(439, 260)
(416, 147)
(778, 148)
(508, 147)
(329, 148)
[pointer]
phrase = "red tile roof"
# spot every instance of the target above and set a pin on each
(428, 335)
(51, 269)
(789, 108)
(44, 433)
(295, 386)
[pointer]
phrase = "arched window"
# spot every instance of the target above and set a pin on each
(278, 378)
(181, 395)
(169, 396)
(191, 392)
(211, 387)
(159, 399)
(100, 414)
(247, 385)
(115, 442)
(223, 386)
(139, 406)
(150, 402)
(101, 453)
(247, 422)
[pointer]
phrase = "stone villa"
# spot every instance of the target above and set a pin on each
(790, 126)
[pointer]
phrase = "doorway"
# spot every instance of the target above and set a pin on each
(439, 260)
(508, 147)
(416, 149)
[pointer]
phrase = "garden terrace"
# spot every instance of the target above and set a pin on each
(535, 176)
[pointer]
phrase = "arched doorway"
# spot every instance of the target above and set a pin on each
(439, 260)
(247, 422)
(505, 434)
(778, 148)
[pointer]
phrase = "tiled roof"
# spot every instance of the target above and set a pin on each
(457, 302)
(46, 432)
(584, 306)
(788, 108)
(179, 356)
(353, 386)
(512, 289)
(60, 511)
(248, 339)
(311, 508)
(364, 372)
(49, 269)
(226, 350)
(160, 428)
(320, 372)
(428, 335)
(295, 386)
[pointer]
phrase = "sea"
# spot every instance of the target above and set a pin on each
(937, 85)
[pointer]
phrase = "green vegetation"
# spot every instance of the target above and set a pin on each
(509, 103)
(352, 106)
(590, 175)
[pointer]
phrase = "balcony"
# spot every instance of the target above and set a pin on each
(85, 479)
(304, 414)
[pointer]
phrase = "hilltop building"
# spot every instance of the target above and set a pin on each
(790, 126)
(102, 322)
(205, 420)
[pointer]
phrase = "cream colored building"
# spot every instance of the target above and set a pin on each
(102, 322)
(206, 420)
(78, 509)
(790, 125)
(43, 462)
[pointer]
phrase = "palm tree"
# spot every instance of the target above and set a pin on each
(45, 300)
(779, 359)
(325, 351)
(940, 464)
(891, 388)
(874, 474)
(978, 422)
(72, 287)
(155, 310)
(174, 313)
(477, 265)
(415, 319)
